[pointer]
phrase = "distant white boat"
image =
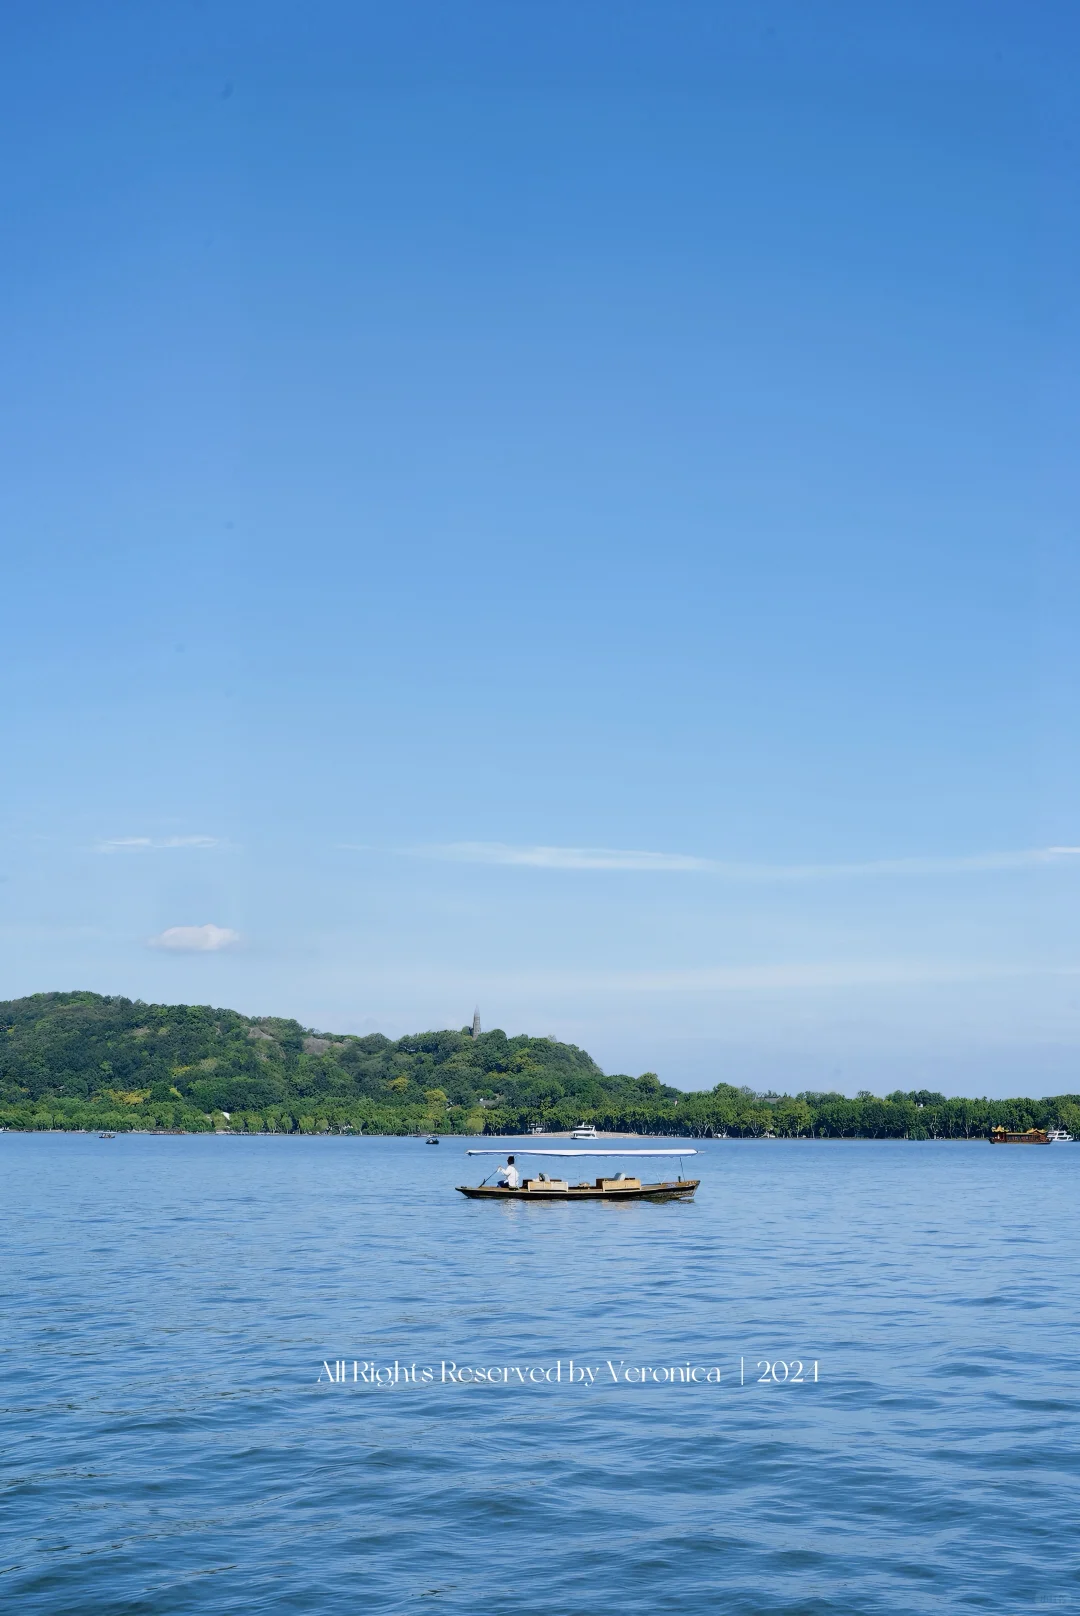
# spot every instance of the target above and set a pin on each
(586, 1131)
(1059, 1136)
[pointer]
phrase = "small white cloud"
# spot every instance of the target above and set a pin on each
(195, 939)
(127, 844)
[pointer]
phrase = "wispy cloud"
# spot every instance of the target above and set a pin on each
(142, 844)
(636, 859)
(207, 939)
(562, 858)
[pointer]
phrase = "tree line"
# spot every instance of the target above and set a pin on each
(111, 1064)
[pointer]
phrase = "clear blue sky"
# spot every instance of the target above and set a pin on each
(435, 433)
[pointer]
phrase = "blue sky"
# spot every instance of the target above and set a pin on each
(565, 507)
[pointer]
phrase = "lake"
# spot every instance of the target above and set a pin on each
(174, 1309)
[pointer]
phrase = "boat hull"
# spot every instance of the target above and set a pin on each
(680, 1189)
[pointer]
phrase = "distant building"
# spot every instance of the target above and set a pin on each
(476, 1022)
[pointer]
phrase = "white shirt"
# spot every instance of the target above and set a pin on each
(510, 1176)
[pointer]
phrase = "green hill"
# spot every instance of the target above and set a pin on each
(79, 1060)
(88, 1061)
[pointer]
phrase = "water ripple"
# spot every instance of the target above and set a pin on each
(167, 1446)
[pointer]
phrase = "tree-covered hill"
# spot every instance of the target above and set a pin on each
(116, 1062)
(80, 1060)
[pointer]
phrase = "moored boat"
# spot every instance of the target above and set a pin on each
(584, 1130)
(1030, 1136)
(1059, 1136)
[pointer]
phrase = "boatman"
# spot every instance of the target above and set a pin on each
(508, 1176)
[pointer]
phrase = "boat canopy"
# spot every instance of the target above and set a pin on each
(514, 1151)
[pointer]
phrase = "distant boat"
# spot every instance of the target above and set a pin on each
(1059, 1136)
(1030, 1136)
(431, 1139)
(584, 1131)
(106, 1136)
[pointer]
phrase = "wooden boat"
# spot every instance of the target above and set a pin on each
(1030, 1136)
(620, 1188)
(604, 1189)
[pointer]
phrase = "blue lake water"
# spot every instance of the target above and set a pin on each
(168, 1444)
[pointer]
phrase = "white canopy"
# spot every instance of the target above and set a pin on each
(514, 1151)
